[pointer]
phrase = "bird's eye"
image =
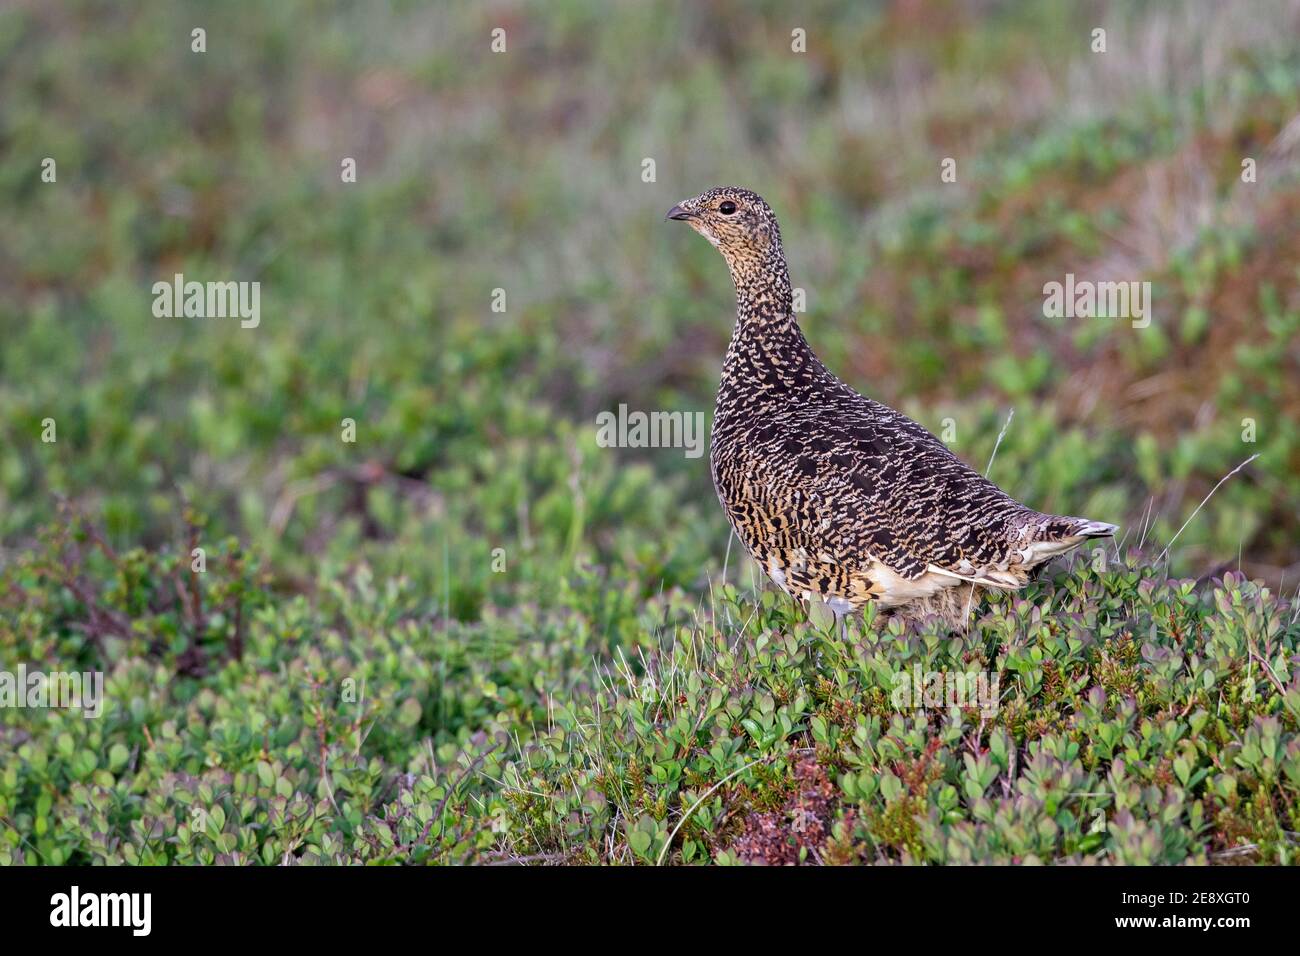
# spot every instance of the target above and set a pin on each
(727, 208)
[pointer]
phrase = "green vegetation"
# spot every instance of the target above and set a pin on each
(472, 634)
(1141, 720)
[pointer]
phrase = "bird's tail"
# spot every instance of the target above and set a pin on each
(1058, 534)
(1084, 528)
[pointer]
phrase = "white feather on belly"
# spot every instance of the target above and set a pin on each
(894, 589)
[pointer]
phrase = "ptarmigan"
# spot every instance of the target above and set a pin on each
(836, 496)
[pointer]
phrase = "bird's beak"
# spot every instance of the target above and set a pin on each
(677, 212)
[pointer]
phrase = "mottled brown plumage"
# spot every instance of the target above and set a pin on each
(836, 496)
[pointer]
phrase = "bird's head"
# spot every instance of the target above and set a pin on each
(737, 221)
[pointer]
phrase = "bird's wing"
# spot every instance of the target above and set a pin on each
(892, 492)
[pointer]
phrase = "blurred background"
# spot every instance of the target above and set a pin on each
(523, 171)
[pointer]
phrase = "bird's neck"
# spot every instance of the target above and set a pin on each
(763, 293)
(769, 361)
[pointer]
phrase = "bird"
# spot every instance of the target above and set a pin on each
(837, 497)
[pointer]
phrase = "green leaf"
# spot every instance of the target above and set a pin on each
(118, 755)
